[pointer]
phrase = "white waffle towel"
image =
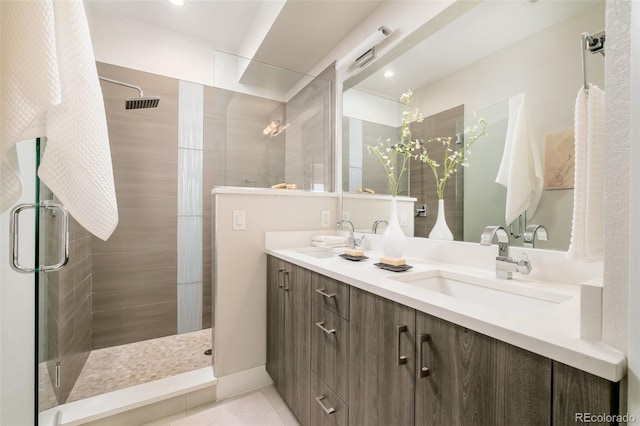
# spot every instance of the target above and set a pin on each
(587, 230)
(49, 87)
(521, 170)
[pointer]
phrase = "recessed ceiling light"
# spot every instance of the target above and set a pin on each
(176, 2)
(388, 74)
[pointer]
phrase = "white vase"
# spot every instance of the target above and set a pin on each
(393, 238)
(440, 230)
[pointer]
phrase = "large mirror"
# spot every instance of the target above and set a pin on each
(464, 65)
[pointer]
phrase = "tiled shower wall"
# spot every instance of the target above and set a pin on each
(67, 310)
(151, 278)
(135, 271)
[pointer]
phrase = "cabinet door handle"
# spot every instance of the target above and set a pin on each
(399, 330)
(286, 280)
(320, 325)
(280, 283)
(327, 295)
(424, 370)
(319, 399)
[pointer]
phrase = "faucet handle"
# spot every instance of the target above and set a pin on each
(524, 265)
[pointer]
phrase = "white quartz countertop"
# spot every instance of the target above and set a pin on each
(552, 331)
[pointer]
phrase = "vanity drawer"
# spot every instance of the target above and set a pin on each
(326, 408)
(330, 349)
(330, 294)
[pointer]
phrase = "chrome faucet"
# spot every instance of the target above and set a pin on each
(530, 235)
(377, 223)
(505, 265)
(352, 242)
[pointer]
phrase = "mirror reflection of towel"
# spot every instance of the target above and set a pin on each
(521, 170)
(587, 230)
(50, 88)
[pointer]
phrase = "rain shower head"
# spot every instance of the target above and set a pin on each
(135, 103)
(141, 102)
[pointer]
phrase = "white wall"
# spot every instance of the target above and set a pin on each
(240, 266)
(17, 307)
(131, 44)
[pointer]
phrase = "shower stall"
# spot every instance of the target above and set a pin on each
(109, 318)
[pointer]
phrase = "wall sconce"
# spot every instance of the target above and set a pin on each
(271, 127)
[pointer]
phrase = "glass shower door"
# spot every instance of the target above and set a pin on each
(34, 246)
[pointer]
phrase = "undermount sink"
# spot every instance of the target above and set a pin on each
(495, 294)
(318, 252)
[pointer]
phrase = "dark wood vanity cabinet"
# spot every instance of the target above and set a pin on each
(288, 333)
(343, 356)
(578, 394)
(382, 362)
(467, 378)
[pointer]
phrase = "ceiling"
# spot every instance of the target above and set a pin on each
(291, 34)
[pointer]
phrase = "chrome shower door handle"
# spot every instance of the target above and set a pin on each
(14, 241)
(64, 241)
(14, 229)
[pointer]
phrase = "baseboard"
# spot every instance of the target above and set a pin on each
(241, 382)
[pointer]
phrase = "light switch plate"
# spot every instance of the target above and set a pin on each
(239, 220)
(403, 219)
(325, 219)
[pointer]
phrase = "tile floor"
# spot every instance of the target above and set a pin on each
(262, 407)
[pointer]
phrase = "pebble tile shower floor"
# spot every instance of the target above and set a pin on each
(119, 367)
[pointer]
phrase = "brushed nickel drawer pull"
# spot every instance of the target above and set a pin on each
(402, 359)
(280, 283)
(286, 279)
(424, 371)
(327, 295)
(319, 399)
(326, 330)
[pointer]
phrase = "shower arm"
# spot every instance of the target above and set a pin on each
(132, 86)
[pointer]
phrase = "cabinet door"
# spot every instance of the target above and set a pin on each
(297, 340)
(467, 378)
(382, 361)
(578, 394)
(275, 321)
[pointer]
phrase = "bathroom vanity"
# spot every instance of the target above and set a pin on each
(351, 344)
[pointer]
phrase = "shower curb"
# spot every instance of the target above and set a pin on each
(120, 401)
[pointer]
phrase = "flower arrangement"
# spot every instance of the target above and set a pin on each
(395, 157)
(452, 155)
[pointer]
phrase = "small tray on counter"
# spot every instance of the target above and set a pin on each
(353, 258)
(393, 268)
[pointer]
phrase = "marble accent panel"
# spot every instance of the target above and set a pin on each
(189, 307)
(190, 115)
(189, 249)
(189, 182)
(190, 207)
